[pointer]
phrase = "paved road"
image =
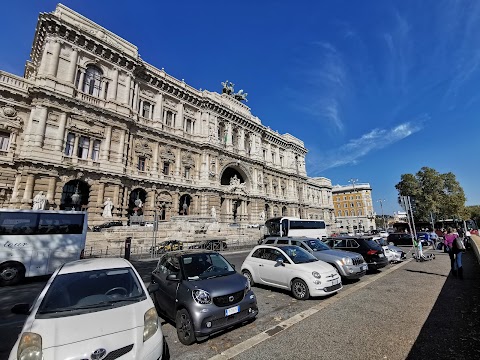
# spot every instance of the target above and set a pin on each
(396, 313)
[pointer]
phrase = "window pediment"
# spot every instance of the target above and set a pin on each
(143, 149)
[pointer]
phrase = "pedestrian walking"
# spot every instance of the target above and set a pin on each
(449, 239)
(434, 238)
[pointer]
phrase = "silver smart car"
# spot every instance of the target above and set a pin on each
(202, 293)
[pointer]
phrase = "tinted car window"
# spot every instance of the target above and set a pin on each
(257, 253)
(203, 266)
(298, 255)
(282, 242)
(271, 241)
(317, 245)
(352, 243)
(90, 291)
(273, 255)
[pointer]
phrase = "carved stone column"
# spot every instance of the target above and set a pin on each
(44, 62)
(52, 183)
(28, 193)
(158, 111)
(121, 146)
(72, 68)
(100, 193)
(53, 65)
(61, 132)
(112, 90)
(155, 157)
(106, 144)
(18, 179)
(179, 122)
(128, 85)
(39, 136)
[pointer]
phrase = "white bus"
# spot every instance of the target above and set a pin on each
(36, 242)
(289, 226)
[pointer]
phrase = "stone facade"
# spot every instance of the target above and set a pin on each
(353, 208)
(91, 118)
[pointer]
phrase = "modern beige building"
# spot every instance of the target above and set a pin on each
(90, 123)
(353, 207)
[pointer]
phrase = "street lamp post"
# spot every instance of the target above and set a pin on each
(383, 216)
(353, 182)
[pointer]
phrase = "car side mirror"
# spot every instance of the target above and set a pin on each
(153, 288)
(21, 309)
(173, 277)
(279, 262)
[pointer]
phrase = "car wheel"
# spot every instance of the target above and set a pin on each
(185, 331)
(11, 273)
(249, 277)
(300, 289)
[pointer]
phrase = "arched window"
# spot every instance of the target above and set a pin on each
(92, 83)
(359, 212)
(339, 212)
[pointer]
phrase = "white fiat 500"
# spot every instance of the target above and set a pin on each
(291, 267)
(91, 309)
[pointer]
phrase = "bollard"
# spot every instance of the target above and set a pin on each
(128, 245)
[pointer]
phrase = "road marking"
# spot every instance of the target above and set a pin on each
(257, 339)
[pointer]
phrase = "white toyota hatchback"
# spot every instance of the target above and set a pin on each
(291, 267)
(91, 309)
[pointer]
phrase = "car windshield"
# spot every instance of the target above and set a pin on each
(317, 245)
(79, 292)
(298, 255)
(205, 266)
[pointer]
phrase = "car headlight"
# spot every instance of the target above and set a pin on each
(247, 286)
(201, 296)
(316, 275)
(150, 323)
(30, 347)
(347, 261)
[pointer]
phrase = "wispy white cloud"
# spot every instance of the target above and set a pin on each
(355, 149)
(327, 83)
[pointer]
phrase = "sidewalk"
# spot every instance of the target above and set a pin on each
(452, 329)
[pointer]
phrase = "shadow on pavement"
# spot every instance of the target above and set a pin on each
(452, 330)
(425, 272)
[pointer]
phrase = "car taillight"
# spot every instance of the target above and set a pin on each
(372, 252)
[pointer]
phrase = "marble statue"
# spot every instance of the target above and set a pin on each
(39, 201)
(107, 210)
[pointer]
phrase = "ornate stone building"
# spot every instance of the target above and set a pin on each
(91, 123)
(353, 207)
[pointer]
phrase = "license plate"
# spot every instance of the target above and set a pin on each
(335, 281)
(232, 310)
(381, 255)
(365, 267)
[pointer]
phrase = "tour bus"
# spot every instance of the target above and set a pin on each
(36, 242)
(289, 226)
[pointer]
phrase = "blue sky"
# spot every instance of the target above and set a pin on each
(375, 88)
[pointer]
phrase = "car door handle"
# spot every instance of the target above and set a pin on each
(260, 265)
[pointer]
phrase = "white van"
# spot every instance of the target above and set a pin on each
(36, 242)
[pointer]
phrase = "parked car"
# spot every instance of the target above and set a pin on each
(107, 225)
(168, 245)
(348, 264)
(383, 234)
(369, 249)
(91, 309)
(214, 244)
(292, 268)
(400, 239)
(393, 253)
(202, 293)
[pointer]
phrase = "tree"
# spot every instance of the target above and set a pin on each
(474, 212)
(438, 194)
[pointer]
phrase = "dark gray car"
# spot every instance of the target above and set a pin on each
(349, 265)
(202, 293)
